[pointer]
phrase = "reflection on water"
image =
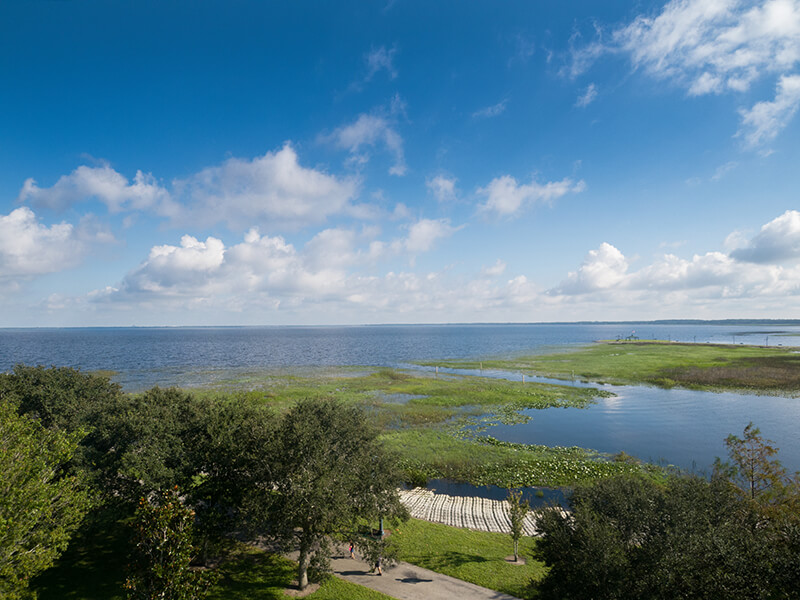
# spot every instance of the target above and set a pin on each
(680, 427)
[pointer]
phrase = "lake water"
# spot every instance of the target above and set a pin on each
(681, 427)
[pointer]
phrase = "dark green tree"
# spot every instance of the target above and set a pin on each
(162, 552)
(632, 538)
(41, 505)
(327, 471)
(517, 510)
(235, 439)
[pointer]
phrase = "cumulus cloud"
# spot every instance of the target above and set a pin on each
(370, 131)
(497, 269)
(443, 188)
(716, 46)
(506, 197)
(778, 241)
(753, 271)
(274, 189)
(29, 248)
(603, 268)
(424, 234)
(104, 184)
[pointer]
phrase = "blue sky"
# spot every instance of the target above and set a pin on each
(259, 163)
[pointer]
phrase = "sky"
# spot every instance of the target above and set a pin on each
(243, 162)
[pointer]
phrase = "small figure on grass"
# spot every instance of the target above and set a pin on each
(517, 510)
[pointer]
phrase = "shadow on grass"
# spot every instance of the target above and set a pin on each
(92, 568)
(253, 574)
(450, 559)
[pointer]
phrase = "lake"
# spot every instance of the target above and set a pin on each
(681, 427)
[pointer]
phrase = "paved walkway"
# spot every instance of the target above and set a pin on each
(408, 582)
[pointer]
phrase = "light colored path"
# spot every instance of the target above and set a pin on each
(408, 582)
(481, 514)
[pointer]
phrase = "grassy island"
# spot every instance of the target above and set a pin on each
(714, 367)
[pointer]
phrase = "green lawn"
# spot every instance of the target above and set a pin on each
(255, 575)
(701, 366)
(475, 556)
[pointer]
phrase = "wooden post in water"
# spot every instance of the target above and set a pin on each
(523, 378)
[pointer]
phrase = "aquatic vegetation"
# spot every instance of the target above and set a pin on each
(757, 369)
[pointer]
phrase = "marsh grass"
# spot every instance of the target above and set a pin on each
(664, 364)
(428, 399)
(431, 453)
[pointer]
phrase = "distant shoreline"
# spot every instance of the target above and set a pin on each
(718, 322)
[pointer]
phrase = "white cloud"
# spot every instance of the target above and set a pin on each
(106, 185)
(273, 189)
(603, 268)
(765, 120)
(443, 188)
(723, 170)
(423, 234)
(370, 131)
(491, 111)
(497, 269)
(588, 96)
(714, 46)
(28, 248)
(753, 271)
(505, 197)
(380, 59)
(778, 241)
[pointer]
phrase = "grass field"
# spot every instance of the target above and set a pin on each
(665, 364)
(475, 556)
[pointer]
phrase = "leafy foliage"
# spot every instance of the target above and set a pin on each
(517, 509)
(752, 465)
(631, 538)
(40, 505)
(162, 552)
(327, 472)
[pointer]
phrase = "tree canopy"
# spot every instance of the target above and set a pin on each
(40, 504)
(328, 471)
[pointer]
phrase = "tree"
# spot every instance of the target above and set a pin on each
(162, 552)
(59, 397)
(753, 467)
(327, 471)
(235, 436)
(517, 510)
(685, 538)
(40, 505)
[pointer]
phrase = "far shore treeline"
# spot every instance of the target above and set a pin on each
(192, 475)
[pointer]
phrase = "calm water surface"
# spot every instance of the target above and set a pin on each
(681, 427)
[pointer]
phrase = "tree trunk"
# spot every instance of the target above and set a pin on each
(516, 547)
(303, 561)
